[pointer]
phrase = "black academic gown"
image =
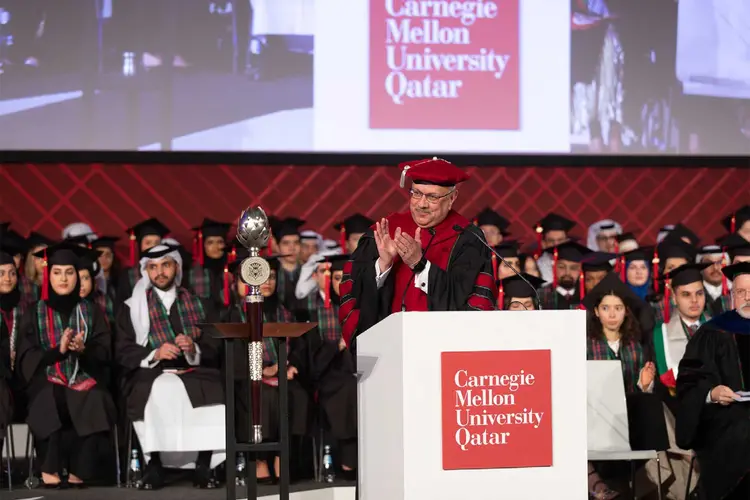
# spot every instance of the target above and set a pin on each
(203, 384)
(449, 289)
(91, 411)
(6, 399)
(718, 354)
(299, 395)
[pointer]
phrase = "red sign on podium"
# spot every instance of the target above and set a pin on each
(497, 409)
(451, 65)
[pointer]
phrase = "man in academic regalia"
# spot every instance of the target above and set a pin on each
(713, 281)
(427, 259)
(738, 222)
(172, 384)
(351, 229)
(508, 250)
(595, 266)
(565, 290)
(710, 420)
(10, 298)
(310, 244)
(144, 235)
(738, 250)
(286, 235)
(672, 252)
(552, 230)
(209, 278)
(493, 225)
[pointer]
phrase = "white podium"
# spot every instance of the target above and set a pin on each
(480, 405)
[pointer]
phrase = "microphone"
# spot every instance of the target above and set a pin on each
(414, 271)
(460, 229)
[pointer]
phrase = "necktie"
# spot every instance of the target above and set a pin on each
(692, 329)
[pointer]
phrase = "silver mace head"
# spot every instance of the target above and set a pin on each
(253, 231)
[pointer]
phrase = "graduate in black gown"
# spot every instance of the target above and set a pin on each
(208, 278)
(299, 399)
(144, 235)
(716, 365)
(63, 354)
(10, 298)
(169, 369)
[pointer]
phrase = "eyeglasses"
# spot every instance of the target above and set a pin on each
(741, 294)
(431, 198)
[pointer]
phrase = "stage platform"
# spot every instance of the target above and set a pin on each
(301, 491)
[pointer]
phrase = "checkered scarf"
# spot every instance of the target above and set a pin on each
(12, 320)
(189, 309)
(66, 372)
(281, 315)
(200, 281)
(107, 305)
(328, 319)
(630, 354)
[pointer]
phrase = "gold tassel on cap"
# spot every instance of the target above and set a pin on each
(402, 182)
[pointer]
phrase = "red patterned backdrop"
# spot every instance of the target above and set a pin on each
(46, 197)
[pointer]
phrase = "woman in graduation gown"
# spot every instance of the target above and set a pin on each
(88, 270)
(273, 312)
(64, 351)
(10, 300)
(613, 332)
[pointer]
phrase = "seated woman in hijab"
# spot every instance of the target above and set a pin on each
(89, 275)
(299, 400)
(63, 356)
(613, 332)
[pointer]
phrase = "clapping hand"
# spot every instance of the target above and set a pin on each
(185, 343)
(648, 373)
(387, 250)
(410, 249)
(77, 343)
(65, 340)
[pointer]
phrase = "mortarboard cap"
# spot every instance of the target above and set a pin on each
(489, 217)
(597, 261)
(337, 261)
(6, 258)
(148, 227)
(15, 241)
(612, 285)
(626, 237)
(80, 239)
(570, 250)
(686, 274)
(38, 240)
(738, 269)
(353, 224)
(683, 232)
(286, 227)
(432, 171)
(554, 222)
(736, 246)
(90, 261)
(160, 251)
(641, 253)
(508, 249)
(674, 247)
(105, 242)
(63, 253)
(210, 227)
(734, 221)
(515, 287)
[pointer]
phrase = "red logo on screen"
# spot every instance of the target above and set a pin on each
(448, 64)
(497, 409)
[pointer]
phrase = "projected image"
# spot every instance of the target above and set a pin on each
(156, 74)
(660, 77)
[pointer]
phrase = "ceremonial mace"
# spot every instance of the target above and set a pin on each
(253, 233)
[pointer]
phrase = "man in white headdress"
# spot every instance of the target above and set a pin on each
(172, 383)
(308, 282)
(602, 236)
(310, 244)
(78, 229)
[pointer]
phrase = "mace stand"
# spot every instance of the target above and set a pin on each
(232, 334)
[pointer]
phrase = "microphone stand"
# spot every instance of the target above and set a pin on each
(460, 229)
(414, 271)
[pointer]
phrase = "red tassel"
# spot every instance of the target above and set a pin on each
(132, 248)
(201, 258)
(500, 296)
(494, 267)
(226, 286)
(617, 247)
(724, 281)
(667, 305)
(538, 252)
(343, 239)
(45, 278)
(623, 269)
(733, 224)
(554, 270)
(326, 289)
(233, 255)
(655, 271)
(582, 288)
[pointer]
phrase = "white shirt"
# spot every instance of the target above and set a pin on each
(566, 293)
(421, 280)
(714, 291)
(168, 299)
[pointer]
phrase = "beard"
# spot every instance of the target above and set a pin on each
(167, 284)
(567, 282)
(744, 310)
